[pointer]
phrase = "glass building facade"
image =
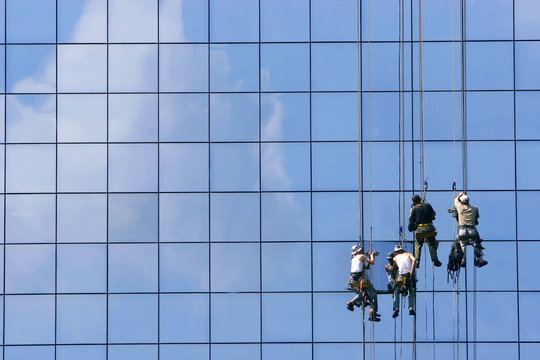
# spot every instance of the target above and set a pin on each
(180, 177)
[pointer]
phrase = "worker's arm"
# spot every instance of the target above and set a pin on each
(371, 259)
(413, 262)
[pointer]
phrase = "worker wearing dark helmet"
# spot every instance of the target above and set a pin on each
(467, 216)
(406, 280)
(421, 220)
(359, 282)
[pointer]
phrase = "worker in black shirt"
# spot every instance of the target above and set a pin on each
(421, 220)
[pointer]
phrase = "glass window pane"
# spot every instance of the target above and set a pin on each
(133, 68)
(380, 67)
(133, 268)
(234, 67)
(335, 166)
(81, 352)
(491, 165)
(183, 21)
(283, 20)
(30, 269)
(527, 265)
(82, 21)
(286, 317)
(81, 319)
(234, 21)
(184, 318)
(29, 352)
(527, 175)
(82, 118)
(335, 116)
(286, 217)
(442, 116)
(489, 21)
(31, 168)
(285, 166)
(82, 68)
(284, 67)
(490, 115)
(335, 216)
(31, 118)
(81, 268)
(489, 66)
(333, 20)
(286, 267)
(183, 167)
(528, 207)
(282, 351)
(234, 117)
(81, 218)
(31, 69)
(133, 167)
(332, 66)
(29, 319)
(174, 352)
(133, 217)
(331, 266)
(183, 117)
(496, 222)
(381, 160)
(380, 19)
(527, 58)
(30, 218)
(438, 71)
(31, 21)
(527, 25)
(133, 21)
(183, 267)
(332, 322)
(183, 67)
(133, 318)
(82, 168)
(235, 217)
(527, 109)
(183, 217)
(285, 117)
(235, 317)
(234, 167)
(133, 117)
(133, 352)
(235, 267)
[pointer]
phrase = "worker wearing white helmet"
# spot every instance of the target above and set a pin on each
(467, 216)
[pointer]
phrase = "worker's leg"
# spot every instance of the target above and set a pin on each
(371, 295)
(433, 244)
(397, 294)
(412, 295)
(418, 248)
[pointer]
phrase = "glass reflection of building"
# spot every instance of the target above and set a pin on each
(181, 176)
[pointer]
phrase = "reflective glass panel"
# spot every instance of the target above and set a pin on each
(496, 222)
(183, 217)
(332, 66)
(527, 174)
(527, 26)
(235, 267)
(183, 117)
(527, 109)
(380, 67)
(82, 118)
(82, 167)
(31, 69)
(283, 67)
(234, 67)
(81, 268)
(29, 319)
(183, 67)
(235, 217)
(184, 318)
(81, 352)
(527, 58)
(283, 20)
(239, 352)
(82, 68)
(81, 218)
(285, 117)
(183, 167)
(29, 352)
(30, 21)
(285, 166)
(282, 351)
(133, 268)
(335, 116)
(490, 115)
(133, 117)
(183, 21)
(234, 21)
(528, 203)
(82, 21)
(491, 165)
(335, 216)
(133, 21)
(133, 318)
(235, 317)
(81, 319)
(286, 317)
(489, 66)
(134, 352)
(437, 20)
(234, 117)
(133, 68)
(133, 217)
(30, 218)
(486, 21)
(286, 217)
(183, 267)
(286, 267)
(30, 269)
(30, 118)
(441, 72)
(335, 166)
(173, 352)
(333, 21)
(234, 167)
(133, 167)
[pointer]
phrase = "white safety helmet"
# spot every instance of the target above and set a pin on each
(356, 249)
(464, 199)
(399, 248)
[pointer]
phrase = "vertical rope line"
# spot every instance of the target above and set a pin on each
(401, 124)
(421, 84)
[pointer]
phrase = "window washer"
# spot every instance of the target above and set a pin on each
(467, 216)
(406, 279)
(421, 219)
(391, 272)
(361, 283)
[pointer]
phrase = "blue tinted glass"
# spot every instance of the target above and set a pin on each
(133, 167)
(82, 21)
(133, 268)
(380, 20)
(183, 67)
(491, 165)
(173, 352)
(283, 20)
(133, 319)
(30, 269)
(490, 115)
(527, 263)
(527, 108)
(382, 161)
(234, 117)
(335, 116)
(380, 67)
(235, 317)
(333, 20)
(286, 267)
(286, 351)
(526, 25)
(183, 267)
(81, 268)
(31, 21)
(489, 66)
(183, 117)
(239, 352)
(183, 167)
(332, 322)
(335, 166)
(31, 69)
(30, 218)
(437, 20)
(82, 168)
(183, 217)
(81, 352)
(286, 317)
(335, 216)
(133, 68)
(137, 352)
(527, 58)
(528, 324)
(30, 118)
(234, 167)
(183, 21)
(527, 175)
(82, 117)
(234, 21)
(437, 66)
(442, 116)
(286, 217)
(528, 203)
(81, 218)
(133, 117)
(383, 215)
(133, 21)
(235, 217)
(285, 117)
(29, 319)
(283, 67)
(184, 318)
(330, 266)
(496, 222)
(334, 67)
(29, 352)
(234, 67)
(82, 68)
(81, 319)
(506, 280)
(486, 21)
(235, 267)
(285, 166)
(133, 217)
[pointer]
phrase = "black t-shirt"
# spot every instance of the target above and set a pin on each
(422, 214)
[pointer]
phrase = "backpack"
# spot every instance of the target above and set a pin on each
(454, 261)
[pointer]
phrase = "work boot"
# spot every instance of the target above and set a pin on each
(418, 264)
(480, 263)
(437, 263)
(412, 312)
(350, 306)
(395, 314)
(373, 318)
(463, 264)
